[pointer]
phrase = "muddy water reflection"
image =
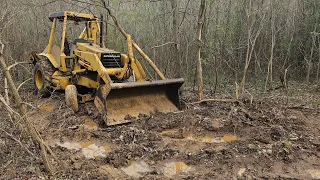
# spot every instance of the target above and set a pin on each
(174, 134)
(174, 168)
(89, 149)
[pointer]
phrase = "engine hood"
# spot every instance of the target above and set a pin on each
(94, 48)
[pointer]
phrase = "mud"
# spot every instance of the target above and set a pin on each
(262, 140)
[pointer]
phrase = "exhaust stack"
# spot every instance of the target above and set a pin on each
(101, 30)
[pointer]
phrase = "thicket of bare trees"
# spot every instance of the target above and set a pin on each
(243, 41)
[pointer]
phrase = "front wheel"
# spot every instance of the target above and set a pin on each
(71, 97)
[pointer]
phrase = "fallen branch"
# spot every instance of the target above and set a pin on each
(18, 63)
(9, 109)
(33, 107)
(19, 142)
(11, 112)
(216, 100)
(6, 165)
(37, 139)
(23, 83)
(6, 93)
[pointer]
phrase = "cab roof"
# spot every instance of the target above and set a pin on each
(73, 16)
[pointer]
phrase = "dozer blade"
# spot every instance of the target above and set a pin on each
(126, 101)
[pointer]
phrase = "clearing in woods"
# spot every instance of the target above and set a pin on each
(262, 139)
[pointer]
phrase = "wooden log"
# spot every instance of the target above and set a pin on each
(216, 100)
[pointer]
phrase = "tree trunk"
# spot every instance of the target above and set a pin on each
(270, 64)
(309, 62)
(199, 66)
(247, 61)
(318, 66)
(251, 41)
(175, 33)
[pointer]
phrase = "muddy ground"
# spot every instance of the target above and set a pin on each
(260, 138)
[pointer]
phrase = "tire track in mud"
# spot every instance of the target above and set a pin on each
(207, 141)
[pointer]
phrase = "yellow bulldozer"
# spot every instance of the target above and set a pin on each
(88, 71)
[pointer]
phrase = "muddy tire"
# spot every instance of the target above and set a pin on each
(42, 77)
(71, 97)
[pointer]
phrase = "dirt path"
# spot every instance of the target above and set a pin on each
(210, 141)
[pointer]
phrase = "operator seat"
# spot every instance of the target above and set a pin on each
(66, 47)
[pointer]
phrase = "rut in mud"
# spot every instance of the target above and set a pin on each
(212, 140)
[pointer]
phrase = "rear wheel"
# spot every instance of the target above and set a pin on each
(42, 76)
(71, 97)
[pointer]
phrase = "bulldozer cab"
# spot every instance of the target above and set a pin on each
(59, 55)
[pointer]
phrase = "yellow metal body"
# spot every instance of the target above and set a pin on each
(83, 67)
(60, 80)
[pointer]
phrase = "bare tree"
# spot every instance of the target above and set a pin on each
(199, 65)
(252, 36)
(176, 52)
(269, 79)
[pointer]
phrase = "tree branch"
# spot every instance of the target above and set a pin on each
(18, 63)
(23, 83)
(162, 45)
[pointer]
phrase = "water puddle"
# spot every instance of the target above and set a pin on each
(89, 124)
(93, 151)
(71, 145)
(173, 168)
(89, 149)
(315, 173)
(47, 107)
(212, 139)
(86, 144)
(136, 169)
(174, 134)
(229, 138)
(170, 131)
(107, 148)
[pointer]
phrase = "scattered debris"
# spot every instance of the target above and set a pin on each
(47, 107)
(89, 124)
(241, 172)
